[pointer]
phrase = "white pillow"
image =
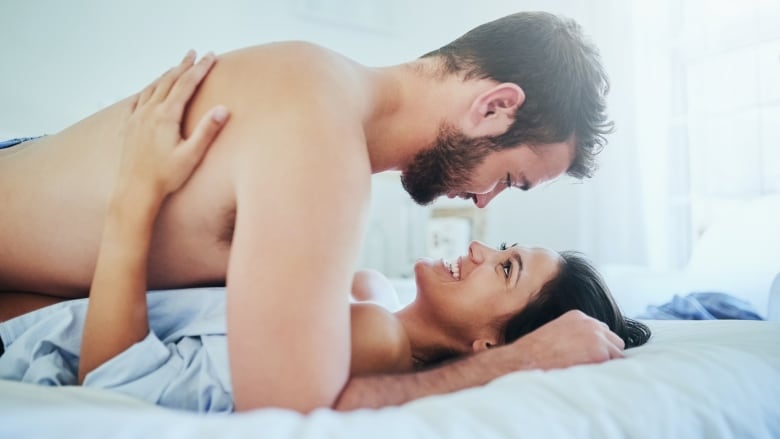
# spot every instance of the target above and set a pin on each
(774, 300)
(739, 254)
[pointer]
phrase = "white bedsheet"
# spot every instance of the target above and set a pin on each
(702, 379)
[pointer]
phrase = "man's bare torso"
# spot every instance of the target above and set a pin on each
(55, 191)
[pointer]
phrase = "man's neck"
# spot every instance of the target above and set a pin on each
(410, 104)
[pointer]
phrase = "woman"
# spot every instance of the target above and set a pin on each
(483, 299)
(490, 297)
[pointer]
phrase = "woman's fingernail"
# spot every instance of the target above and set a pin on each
(208, 58)
(190, 54)
(220, 114)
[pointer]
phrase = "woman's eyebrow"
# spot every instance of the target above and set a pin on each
(519, 260)
(525, 186)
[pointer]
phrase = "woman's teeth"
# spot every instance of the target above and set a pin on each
(453, 267)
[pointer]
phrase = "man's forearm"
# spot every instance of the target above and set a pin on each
(571, 339)
(388, 390)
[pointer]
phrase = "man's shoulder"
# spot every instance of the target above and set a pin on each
(288, 48)
(289, 61)
(295, 90)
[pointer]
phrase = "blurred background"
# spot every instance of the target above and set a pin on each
(695, 97)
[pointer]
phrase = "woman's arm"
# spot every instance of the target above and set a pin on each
(156, 161)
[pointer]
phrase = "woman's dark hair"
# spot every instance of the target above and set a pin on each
(559, 71)
(577, 286)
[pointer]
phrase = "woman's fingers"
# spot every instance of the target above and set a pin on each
(184, 87)
(176, 86)
(145, 94)
(189, 153)
(204, 133)
(169, 78)
(153, 132)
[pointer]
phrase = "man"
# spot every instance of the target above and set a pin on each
(277, 208)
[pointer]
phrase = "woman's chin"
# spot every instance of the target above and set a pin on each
(420, 266)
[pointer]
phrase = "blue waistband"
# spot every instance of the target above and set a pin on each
(14, 142)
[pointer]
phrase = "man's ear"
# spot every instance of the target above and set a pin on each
(492, 112)
(482, 345)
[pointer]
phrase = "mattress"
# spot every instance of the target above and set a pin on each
(694, 379)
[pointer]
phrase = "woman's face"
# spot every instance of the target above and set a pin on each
(474, 295)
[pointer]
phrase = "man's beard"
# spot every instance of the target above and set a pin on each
(448, 164)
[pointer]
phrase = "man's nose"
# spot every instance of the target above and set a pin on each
(482, 200)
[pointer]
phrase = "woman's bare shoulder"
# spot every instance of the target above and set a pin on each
(379, 342)
(372, 286)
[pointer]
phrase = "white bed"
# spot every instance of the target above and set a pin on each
(694, 379)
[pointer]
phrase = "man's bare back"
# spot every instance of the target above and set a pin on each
(62, 183)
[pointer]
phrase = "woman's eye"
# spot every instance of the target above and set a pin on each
(507, 268)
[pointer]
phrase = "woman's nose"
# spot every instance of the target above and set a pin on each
(477, 252)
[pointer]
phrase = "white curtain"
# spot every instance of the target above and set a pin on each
(708, 112)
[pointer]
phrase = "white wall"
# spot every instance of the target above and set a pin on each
(65, 60)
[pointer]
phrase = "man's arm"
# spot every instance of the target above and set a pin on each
(295, 244)
(302, 183)
(571, 339)
(155, 162)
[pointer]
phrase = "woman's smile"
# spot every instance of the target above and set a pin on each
(453, 267)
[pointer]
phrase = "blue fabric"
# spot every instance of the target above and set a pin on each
(702, 306)
(14, 142)
(182, 363)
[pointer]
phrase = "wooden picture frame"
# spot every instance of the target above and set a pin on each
(450, 230)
